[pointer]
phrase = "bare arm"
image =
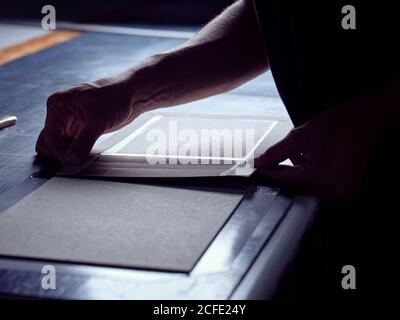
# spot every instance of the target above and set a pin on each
(224, 54)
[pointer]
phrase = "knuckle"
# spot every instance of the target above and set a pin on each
(297, 131)
(293, 133)
(62, 97)
(298, 136)
(270, 151)
(54, 99)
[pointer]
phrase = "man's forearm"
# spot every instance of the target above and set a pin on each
(223, 55)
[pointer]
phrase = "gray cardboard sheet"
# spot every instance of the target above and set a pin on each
(116, 224)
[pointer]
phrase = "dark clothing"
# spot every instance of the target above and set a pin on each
(316, 65)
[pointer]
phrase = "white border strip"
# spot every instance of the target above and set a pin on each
(105, 156)
(124, 142)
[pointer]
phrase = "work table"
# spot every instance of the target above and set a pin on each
(250, 253)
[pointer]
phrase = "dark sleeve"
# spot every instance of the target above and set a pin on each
(317, 64)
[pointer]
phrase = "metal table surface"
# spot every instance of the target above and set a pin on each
(248, 256)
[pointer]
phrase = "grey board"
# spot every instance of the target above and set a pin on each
(116, 224)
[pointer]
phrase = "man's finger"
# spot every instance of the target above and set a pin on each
(284, 149)
(40, 147)
(82, 145)
(51, 140)
(54, 139)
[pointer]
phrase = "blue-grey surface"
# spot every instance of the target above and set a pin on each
(26, 83)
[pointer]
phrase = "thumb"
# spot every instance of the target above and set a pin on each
(80, 148)
(280, 151)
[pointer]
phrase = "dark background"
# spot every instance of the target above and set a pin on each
(176, 12)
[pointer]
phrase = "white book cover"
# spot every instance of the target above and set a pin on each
(165, 144)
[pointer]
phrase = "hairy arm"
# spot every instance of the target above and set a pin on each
(227, 52)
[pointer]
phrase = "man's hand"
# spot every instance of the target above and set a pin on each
(77, 117)
(330, 152)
